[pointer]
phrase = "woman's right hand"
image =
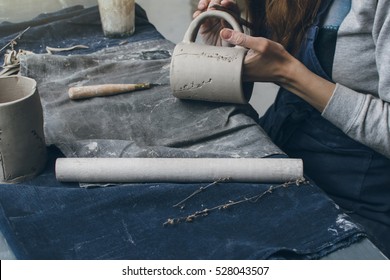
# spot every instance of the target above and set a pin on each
(211, 28)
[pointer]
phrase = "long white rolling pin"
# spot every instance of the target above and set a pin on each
(184, 170)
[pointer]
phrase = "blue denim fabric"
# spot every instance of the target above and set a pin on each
(325, 42)
(355, 176)
(45, 219)
(338, 10)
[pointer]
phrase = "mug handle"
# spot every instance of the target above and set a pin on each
(193, 29)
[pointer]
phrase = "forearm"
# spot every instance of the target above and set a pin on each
(312, 88)
(362, 117)
(268, 61)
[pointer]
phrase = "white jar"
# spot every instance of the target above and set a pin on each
(117, 17)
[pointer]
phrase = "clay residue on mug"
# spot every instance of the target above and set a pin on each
(192, 85)
(39, 139)
(218, 57)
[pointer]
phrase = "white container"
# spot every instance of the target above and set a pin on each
(117, 17)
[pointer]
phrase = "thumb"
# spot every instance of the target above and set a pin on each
(234, 37)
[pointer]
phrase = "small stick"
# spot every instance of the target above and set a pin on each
(253, 199)
(14, 39)
(201, 189)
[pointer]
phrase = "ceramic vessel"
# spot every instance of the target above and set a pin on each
(22, 145)
(209, 73)
(117, 17)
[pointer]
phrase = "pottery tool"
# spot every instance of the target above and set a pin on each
(84, 92)
(140, 170)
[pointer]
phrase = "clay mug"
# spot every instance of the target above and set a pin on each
(209, 73)
(22, 145)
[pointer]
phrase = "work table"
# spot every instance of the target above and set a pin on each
(45, 219)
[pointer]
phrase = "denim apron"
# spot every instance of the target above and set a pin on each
(355, 176)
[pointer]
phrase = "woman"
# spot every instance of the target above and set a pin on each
(331, 59)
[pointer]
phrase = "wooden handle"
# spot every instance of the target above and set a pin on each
(103, 90)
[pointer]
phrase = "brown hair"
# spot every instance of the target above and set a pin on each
(284, 21)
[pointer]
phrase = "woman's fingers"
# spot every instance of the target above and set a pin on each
(203, 4)
(214, 2)
(235, 37)
(265, 58)
(240, 39)
(207, 4)
(212, 26)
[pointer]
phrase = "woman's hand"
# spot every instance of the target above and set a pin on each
(268, 61)
(211, 28)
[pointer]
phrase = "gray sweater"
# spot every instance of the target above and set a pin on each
(360, 104)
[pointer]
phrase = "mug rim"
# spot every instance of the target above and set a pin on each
(28, 94)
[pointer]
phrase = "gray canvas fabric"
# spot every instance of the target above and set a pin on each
(149, 123)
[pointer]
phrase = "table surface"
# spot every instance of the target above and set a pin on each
(363, 249)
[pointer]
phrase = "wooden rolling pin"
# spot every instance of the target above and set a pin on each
(84, 92)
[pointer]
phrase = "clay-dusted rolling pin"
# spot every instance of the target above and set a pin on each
(140, 170)
(83, 92)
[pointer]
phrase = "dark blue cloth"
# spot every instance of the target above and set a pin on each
(45, 219)
(355, 176)
(72, 26)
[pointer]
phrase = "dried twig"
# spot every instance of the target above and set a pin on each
(12, 42)
(231, 203)
(11, 65)
(201, 189)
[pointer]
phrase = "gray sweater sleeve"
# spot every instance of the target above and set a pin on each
(366, 117)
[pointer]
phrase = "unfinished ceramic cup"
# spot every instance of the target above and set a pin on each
(22, 146)
(209, 73)
(117, 17)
